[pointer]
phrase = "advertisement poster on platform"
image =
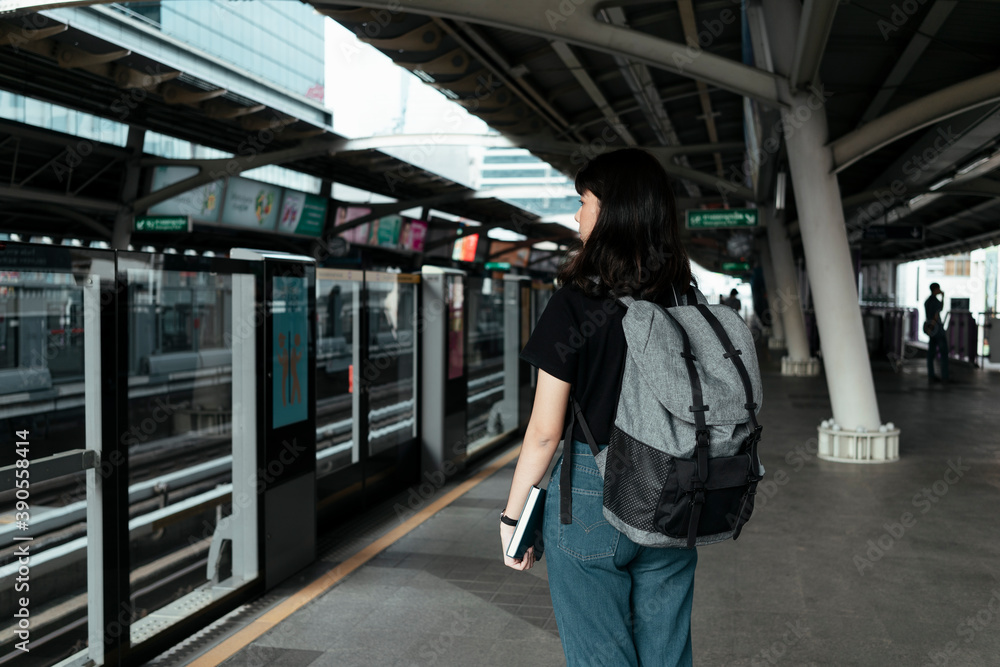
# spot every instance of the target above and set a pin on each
(251, 204)
(346, 214)
(290, 336)
(412, 235)
(504, 251)
(464, 249)
(201, 203)
(385, 231)
(302, 214)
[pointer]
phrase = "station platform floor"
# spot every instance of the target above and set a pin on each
(842, 564)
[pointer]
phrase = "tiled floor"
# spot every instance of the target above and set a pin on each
(894, 564)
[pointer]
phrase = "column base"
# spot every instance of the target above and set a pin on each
(775, 344)
(859, 446)
(809, 367)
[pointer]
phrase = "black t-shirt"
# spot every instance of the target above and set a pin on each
(579, 339)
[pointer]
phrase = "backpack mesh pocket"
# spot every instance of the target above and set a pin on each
(634, 475)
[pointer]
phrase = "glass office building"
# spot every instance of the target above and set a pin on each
(280, 41)
(529, 183)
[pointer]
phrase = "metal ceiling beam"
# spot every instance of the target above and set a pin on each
(929, 27)
(47, 196)
(73, 214)
(565, 53)
(640, 81)
(814, 31)
(388, 208)
(574, 23)
(541, 144)
(212, 170)
(972, 243)
(513, 75)
(686, 8)
(976, 187)
(41, 135)
(911, 117)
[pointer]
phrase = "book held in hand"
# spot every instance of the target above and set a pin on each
(528, 532)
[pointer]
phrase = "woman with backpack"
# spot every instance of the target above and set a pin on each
(616, 602)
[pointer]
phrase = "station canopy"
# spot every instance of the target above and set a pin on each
(911, 92)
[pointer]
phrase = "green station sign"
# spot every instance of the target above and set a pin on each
(497, 266)
(722, 218)
(735, 266)
(163, 223)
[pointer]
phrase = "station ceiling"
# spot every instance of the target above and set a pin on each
(572, 78)
(578, 79)
(57, 184)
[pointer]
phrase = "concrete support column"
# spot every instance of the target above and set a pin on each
(855, 433)
(798, 361)
(776, 341)
(122, 232)
(831, 276)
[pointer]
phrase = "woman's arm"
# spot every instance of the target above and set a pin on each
(541, 439)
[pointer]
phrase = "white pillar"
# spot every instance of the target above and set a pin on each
(828, 261)
(777, 338)
(798, 361)
(855, 433)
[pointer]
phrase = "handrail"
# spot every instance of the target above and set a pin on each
(50, 467)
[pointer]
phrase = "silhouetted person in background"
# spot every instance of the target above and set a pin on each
(734, 301)
(938, 339)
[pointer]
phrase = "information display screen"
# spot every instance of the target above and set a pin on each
(465, 248)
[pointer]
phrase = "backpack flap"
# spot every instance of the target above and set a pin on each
(657, 378)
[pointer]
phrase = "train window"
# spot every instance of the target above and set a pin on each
(484, 354)
(389, 369)
(336, 440)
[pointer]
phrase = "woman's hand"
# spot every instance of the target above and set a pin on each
(525, 562)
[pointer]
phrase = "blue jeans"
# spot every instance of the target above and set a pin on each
(938, 341)
(616, 603)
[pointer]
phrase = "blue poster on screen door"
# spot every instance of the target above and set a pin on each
(290, 339)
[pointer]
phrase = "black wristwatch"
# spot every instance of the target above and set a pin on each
(506, 519)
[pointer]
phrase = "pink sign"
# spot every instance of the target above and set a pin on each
(345, 214)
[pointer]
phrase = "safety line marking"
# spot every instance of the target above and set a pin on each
(314, 589)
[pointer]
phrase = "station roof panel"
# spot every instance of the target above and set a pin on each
(124, 72)
(577, 76)
(877, 60)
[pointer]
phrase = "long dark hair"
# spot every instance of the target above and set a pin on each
(635, 247)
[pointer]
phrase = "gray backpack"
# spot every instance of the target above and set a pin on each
(681, 468)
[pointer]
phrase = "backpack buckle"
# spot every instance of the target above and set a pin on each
(702, 438)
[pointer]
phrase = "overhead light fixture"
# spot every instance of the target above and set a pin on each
(912, 203)
(940, 184)
(779, 192)
(972, 165)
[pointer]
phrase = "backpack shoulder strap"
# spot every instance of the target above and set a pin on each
(734, 356)
(565, 481)
(699, 409)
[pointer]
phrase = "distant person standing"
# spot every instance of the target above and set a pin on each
(938, 339)
(734, 301)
